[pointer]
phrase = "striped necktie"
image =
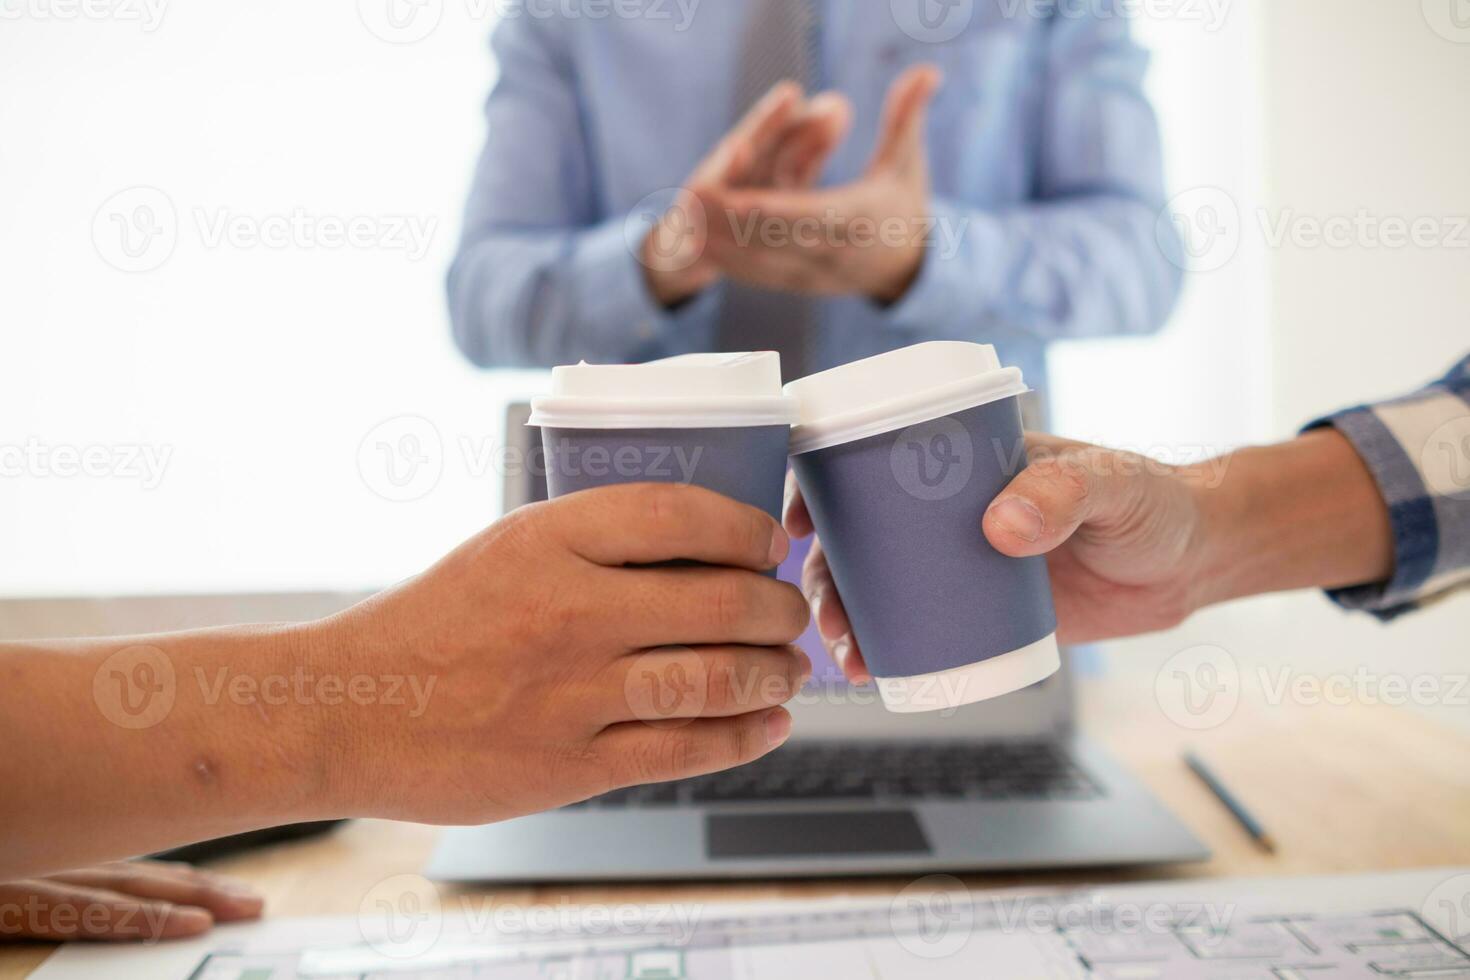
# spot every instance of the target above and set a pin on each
(779, 43)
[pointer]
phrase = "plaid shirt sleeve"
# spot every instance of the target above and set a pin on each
(1418, 449)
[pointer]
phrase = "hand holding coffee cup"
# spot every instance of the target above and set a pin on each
(896, 487)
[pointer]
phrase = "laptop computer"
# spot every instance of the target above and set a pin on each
(1006, 784)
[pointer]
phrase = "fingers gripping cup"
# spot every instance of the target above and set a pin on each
(718, 421)
(898, 456)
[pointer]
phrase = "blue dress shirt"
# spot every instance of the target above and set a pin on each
(1043, 150)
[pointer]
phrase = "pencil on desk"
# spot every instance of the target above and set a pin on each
(1237, 810)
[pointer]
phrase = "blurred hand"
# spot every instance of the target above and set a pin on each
(1123, 536)
(783, 141)
(865, 238)
(564, 667)
(122, 902)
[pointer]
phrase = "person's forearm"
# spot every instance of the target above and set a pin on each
(1301, 514)
(125, 746)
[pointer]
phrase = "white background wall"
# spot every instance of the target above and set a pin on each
(1366, 110)
(260, 368)
(1363, 109)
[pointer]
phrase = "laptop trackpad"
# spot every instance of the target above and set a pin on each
(807, 833)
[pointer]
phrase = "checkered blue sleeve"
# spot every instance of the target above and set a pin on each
(1418, 450)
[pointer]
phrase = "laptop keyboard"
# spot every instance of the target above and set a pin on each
(910, 771)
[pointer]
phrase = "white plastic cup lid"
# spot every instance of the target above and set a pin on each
(898, 389)
(692, 391)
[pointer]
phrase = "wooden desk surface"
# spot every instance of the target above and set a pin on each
(1342, 789)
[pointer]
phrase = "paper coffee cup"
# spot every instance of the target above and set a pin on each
(898, 457)
(719, 421)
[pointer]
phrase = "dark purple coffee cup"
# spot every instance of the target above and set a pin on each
(718, 421)
(898, 457)
(746, 463)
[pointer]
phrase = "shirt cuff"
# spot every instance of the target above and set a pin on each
(948, 282)
(1410, 511)
(613, 302)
